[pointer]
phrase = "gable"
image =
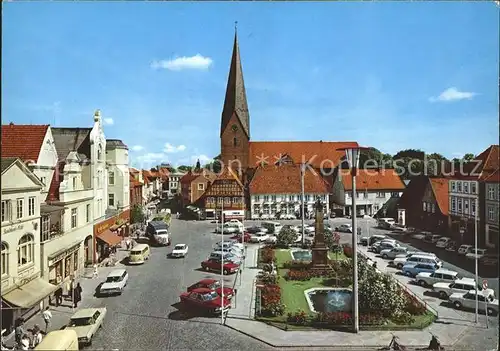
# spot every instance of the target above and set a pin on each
(23, 141)
(17, 176)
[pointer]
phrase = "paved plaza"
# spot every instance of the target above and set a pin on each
(146, 316)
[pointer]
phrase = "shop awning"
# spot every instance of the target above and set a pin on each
(29, 294)
(109, 238)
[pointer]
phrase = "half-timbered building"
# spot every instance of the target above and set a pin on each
(225, 195)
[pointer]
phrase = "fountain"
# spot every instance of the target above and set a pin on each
(301, 255)
(329, 299)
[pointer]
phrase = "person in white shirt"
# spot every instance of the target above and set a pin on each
(47, 316)
(37, 335)
(25, 342)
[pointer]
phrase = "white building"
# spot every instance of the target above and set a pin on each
(23, 289)
(117, 161)
(174, 182)
(492, 207)
(276, 190)
(374, 188)
(463, 197)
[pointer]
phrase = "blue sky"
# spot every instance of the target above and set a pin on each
(388, 75)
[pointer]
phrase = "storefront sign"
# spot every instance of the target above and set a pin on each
(100, 228)
(13, 228)
(63, 254)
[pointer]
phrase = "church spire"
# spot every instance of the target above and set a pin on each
(236, 98)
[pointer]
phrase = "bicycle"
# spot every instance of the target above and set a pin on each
(394, 345)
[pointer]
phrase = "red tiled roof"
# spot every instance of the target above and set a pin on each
(373, 179)
(492, 177)
(188, 177)
(133, 170)
(133, 182)
(228, 174)
(23, 141)
(440, 189)
(285, 179)
(53, 194)
(317, 153)
(481, 167)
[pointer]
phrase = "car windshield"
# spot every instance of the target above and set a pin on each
(214, 285)
(179, 247)
(209, 296)
(80, 322)
(113, 279)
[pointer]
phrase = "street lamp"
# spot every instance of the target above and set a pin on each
(352, 156)
(302, 175)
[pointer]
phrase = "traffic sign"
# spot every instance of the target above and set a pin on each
(485, 284)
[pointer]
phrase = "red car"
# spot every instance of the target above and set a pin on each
(246, 237)
(213, 285)
(207, 300)
(215, 265)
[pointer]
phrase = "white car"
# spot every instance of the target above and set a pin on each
(86, 322)
(399, 262)
(272, 239)
(115, 282)
(439, 276)
(443, 242)
(180, 250)
(394, 252)
(230, 243)
(230, 250)
(308, 229)
(344, 228)
(473, 254)
(287, 216)
(460, 286)
(258, 237)
(468, 300)
(465, 249)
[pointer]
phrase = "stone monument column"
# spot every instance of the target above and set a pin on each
(319, 248)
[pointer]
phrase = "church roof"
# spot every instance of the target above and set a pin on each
(320, 154)
(236, 98)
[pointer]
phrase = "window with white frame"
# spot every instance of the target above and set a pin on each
(236, 200)
(292, 197)
(491, 192)
(433, 208)
(491, 213)
(273, 197)
(201, 186)
(111, 200)
(256, 198)
(44, 181)
(74, 183)
(5, 259)
(111, 178)
(473, 187)
(266, 198)
(87, 213)
(466, 206)
(473, 208)
(424, 206)
(460, 205)
(74, 218)
(31, 206)
(6, 210)
(20, 208)
(382, 195)
(26, 250)
(453, 186)
(466, 187)
(45, 230)
(323, 197)
(453, 204)
(307, 197)
(227, 201)
(459, 186)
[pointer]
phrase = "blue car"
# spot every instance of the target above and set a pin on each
(412, 270)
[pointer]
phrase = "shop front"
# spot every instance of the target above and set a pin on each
(65, 264)
(109, 234)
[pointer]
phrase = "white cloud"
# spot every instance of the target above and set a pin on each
(179, 63)
(149, 159)
(137, 148)
(453, 94)
(108, 121)
(171, 149)
(191, 160)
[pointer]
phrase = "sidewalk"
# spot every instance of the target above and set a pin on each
(62, 314)
(244, 301)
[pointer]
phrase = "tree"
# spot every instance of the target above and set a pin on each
(215, 166)
(381, 293)
(286, 237)
(184, 168)
(136, 214)
(198, 165)
(468, 157)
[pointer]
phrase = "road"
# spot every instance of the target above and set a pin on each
(146, 317)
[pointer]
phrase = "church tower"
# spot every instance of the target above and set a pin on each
(235, 121)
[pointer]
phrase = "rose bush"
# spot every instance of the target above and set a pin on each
(301, 275)
(380, 293)
(297, 265)
(413, 305)
(298, 318)
(267, 255)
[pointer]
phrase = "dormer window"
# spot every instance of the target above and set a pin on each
(74, 183)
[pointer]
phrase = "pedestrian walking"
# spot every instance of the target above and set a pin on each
(58, 294)
(77, 295)
(47, 316)
(19, 330)
(95, 274)
(37, 336)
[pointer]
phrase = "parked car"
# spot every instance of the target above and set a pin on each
(213, 264)
(86, 322)
(226, 256)
(439, 276)
(344, 228)
(256, 229)
(475, 253)
(213, 285)
(288, 216)
(115, 282)
(206, 300)
(231, 243)
(382, 245)
(461, 286)
(258, 237)
(412, 270)
(271, 239)
(451, 246)
(489, 260)
(465, 249)
(431, 238)
(308, 229)
(246, 237)
(385, 223)
(231, 251)
(180, 250)
(392, 253)
(468, 300)
(368, 241)
(399, 262)
(442, 242)
(396, 227)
